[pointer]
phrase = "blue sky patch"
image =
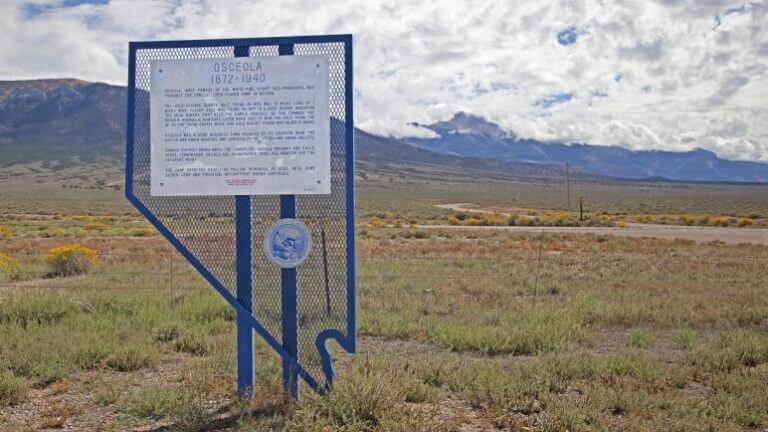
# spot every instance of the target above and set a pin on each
(552, 100)
(32, 9)
(736, 10)
(567, 36)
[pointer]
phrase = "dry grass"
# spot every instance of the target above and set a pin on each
(461, 328)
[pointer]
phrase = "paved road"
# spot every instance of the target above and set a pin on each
(699, 234)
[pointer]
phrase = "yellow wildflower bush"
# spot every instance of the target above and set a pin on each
(745, 222)
(561, 219)
(376, 222)
(5, 232)
(55, 232)
(92, 227)
(71, 259)
(473, 221)
(493, 219)
(9, 266)
(143, 232)
(720, 221)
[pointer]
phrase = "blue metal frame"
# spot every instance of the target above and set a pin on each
(289, 290)
(244, 264)
(288, 350)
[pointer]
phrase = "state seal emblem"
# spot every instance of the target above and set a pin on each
(287, 243)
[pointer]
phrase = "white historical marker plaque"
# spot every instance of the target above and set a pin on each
(240, 126)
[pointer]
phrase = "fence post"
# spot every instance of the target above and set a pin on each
(170, 264)
(538, 268)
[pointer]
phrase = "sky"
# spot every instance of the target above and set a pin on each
(643, 74)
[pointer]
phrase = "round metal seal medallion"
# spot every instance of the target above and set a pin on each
(287, 243)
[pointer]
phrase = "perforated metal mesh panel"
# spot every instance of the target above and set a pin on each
(206, 225)
(318, 309)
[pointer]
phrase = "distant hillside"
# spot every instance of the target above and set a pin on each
(468, 135)
(60, 119)
(375, 149)
(67, 121)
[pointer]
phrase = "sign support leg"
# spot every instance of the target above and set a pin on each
(245, 339)
(244, 246)
(289, 290)
(290, 313)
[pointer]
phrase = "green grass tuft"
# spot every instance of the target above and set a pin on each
(13, 389)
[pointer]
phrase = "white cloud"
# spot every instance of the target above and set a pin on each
(693, 72)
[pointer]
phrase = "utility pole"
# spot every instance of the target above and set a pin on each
(568, 186)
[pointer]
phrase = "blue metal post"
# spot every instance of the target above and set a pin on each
(244, 246)
(289, 292)
(244, 250)
(290, 313)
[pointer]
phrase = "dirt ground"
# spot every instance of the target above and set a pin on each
(81, 405)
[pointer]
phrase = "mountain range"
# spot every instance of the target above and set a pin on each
(60, 119)
(66, 119)
(470, 135)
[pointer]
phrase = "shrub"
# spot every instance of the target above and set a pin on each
(417, 234)
(91, 227)
(193, 344)
(167, 332)
(9, 266)
(55, 232)
(640, 338)
(190, 412)
(143, 232)
(453, 220)
(745, 222)
(152, 402)
(71, 260)
(132, 358)
(493, 219)
(376, 222)
(13, 389)
(61, 386)
(685, 339)
(5, 232)
(365, 400)
(732, 349)
(525, 221)
(472, 221)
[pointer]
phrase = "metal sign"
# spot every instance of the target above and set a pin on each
(240, 142)
(240, 126)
